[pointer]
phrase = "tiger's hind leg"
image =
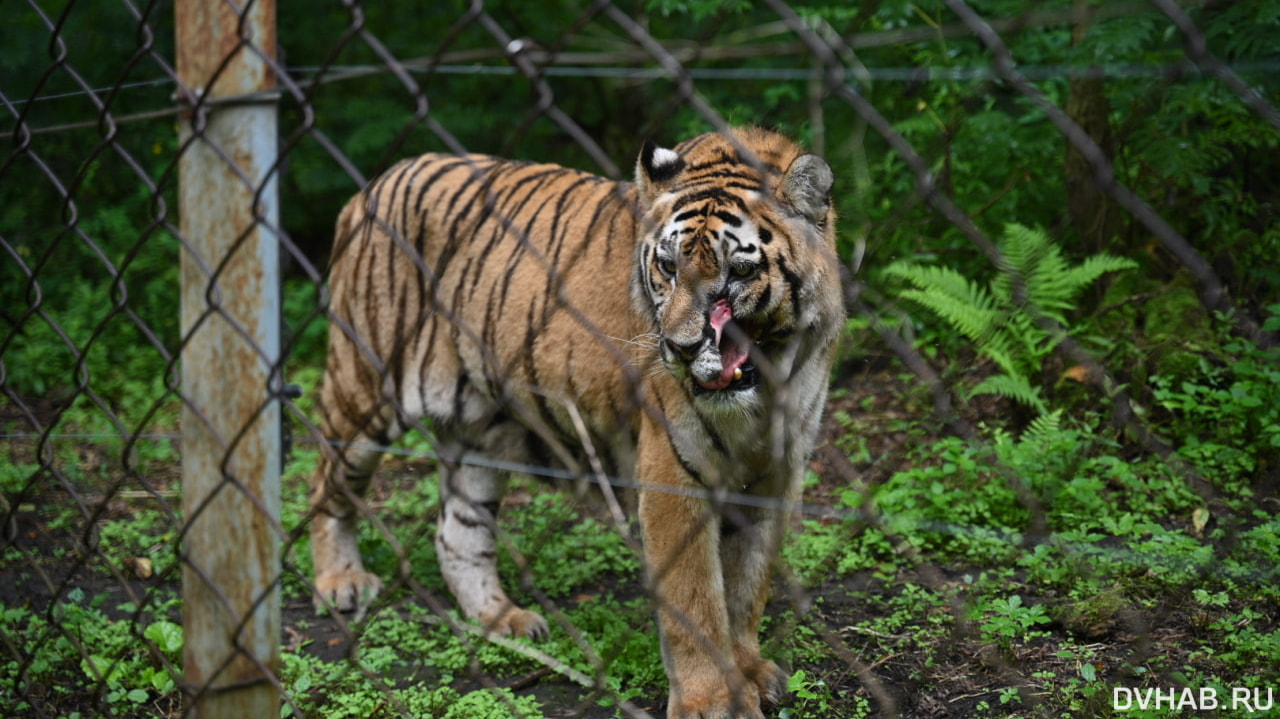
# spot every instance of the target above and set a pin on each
(465, 543)
(357, 427)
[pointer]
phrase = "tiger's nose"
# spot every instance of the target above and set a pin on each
(686, 352)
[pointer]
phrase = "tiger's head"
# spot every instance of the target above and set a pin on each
(736, 269)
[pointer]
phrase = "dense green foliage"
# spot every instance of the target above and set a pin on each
(96, 236)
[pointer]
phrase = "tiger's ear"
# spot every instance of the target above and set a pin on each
(655, 170)
(806, 186)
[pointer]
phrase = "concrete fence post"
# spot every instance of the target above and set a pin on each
(229, 208)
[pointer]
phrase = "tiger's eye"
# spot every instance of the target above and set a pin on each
(667, 265)
(742, 270)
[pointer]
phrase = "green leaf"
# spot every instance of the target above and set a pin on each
(162, 682)
(96, 667)
(166, 635)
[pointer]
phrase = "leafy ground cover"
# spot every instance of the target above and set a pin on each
(1028, 574)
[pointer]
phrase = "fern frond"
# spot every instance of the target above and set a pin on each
(1029, 339)
(1056, 289)
(1026, 248)
(1026, 252)
(975, 321)
(942, 279)
(1012, 346)
(1043, 427)
(1052, 283)
(990, 323)
(1093, 267)
(1014, 387)
(951, 296)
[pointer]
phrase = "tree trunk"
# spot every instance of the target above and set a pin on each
(1098, 222)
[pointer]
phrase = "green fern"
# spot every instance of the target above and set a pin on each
(994, 320)
(1015, 387)
(1044, 427)
(1052, 284)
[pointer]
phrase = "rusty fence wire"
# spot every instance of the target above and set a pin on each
(172, 175)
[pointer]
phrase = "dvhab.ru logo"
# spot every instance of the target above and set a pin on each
(1242, 699)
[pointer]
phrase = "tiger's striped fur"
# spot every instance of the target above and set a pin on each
(678, 331)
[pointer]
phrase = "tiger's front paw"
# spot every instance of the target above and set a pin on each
(351, 591)
(516, 622)
(713, 710)
(713, 700)
(770, 680)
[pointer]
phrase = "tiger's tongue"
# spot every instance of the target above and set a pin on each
(732, 354)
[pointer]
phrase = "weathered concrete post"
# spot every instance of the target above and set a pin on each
(230, 322)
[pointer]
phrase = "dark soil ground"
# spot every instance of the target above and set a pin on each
(950, 677)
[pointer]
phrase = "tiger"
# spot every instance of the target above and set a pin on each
(676, 332)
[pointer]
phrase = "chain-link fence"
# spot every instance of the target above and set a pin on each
(1044, 484)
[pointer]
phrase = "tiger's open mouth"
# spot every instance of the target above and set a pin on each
(734, 340)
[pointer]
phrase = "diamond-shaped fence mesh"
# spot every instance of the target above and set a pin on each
(515, 440)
